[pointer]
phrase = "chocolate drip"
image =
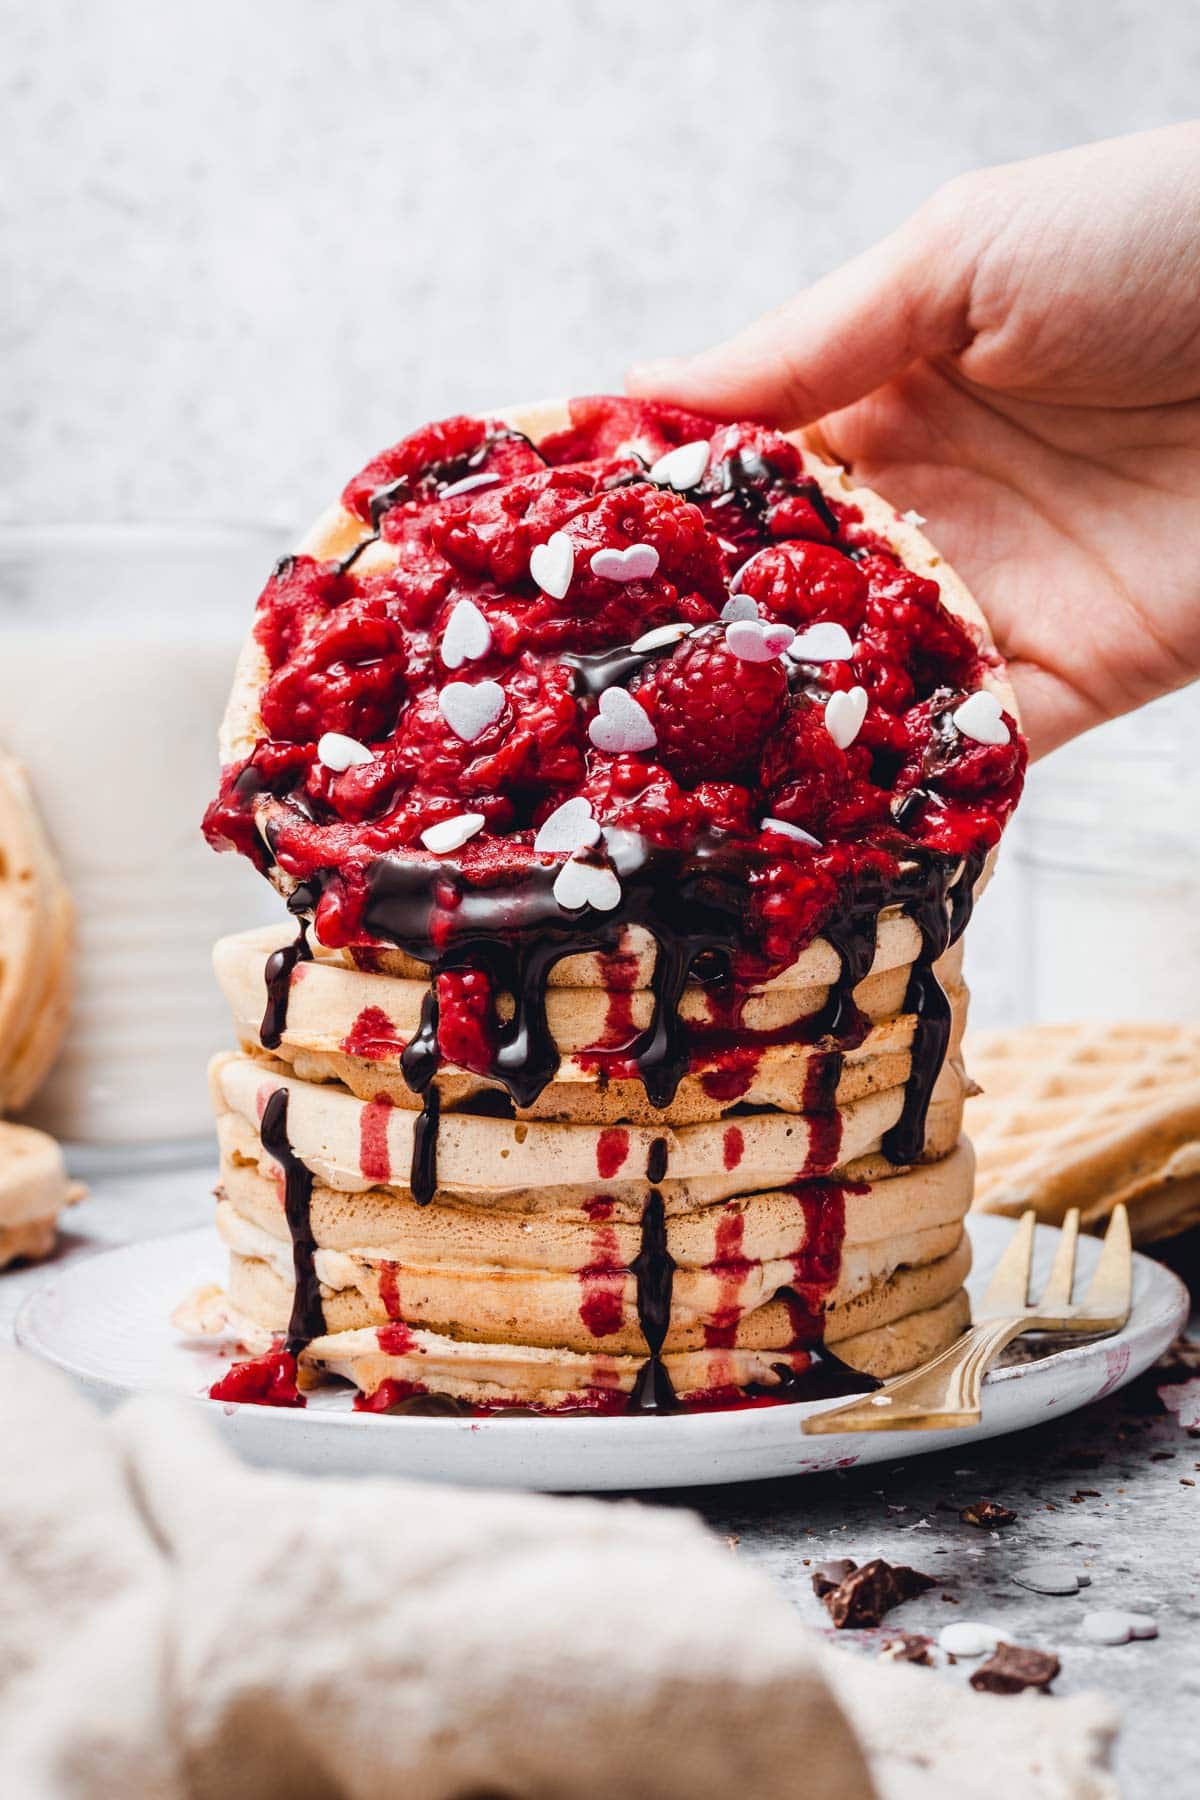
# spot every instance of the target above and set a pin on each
(595, 674)
(941, 912)
(278, 978)
(308, 1315)
(419, 1064)
(654, 1267)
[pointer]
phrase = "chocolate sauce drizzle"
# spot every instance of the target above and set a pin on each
(278, 978)
(695, 903)
(308, 1314)
(654, 1267)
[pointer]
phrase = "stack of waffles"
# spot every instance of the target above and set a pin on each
(495, 1140)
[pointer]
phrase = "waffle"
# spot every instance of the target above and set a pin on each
(1089, 1116)
(35, 944)
(34, 1189)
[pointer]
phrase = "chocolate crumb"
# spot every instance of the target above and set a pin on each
(1082, 1494)
(987, 1514)
(865, 1594)
(829, 1575)
(1014, 1667)
(909, 1647)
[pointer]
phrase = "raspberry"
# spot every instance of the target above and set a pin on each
(689, 561)
(493, 534)
(803, 770)
(909, 627)
(940, 757)
(347, 676)
(711, 709)
(603, 427)
(536, 743)
(466, 1019)
(433, 458)
(803, 582)
(755, 486)
(300, 591)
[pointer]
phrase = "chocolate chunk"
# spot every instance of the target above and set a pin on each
(909, 1647)
(1012, 1668)
(987, 1513)
(828, 1575)
(865, 1594)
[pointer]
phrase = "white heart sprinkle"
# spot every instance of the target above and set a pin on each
(793, 831)
(452, 834)
(683, 467)
(661, 636)
(967, 1638)
(752, 641)
(1116, 1627)
(637, 563)
(468, 485)
(979, 717)
(586, 884)
(570, 826)
(1048, 1578)
(469, 709)
(740, 607)
(913, 518)
(338, 752)
(467, 636)
(825, 642)
(621, 725)
(844, 714)
(552, 565)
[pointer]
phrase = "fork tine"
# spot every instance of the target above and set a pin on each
(1056, 1299)
(1110, 1291)
(1008, 1290)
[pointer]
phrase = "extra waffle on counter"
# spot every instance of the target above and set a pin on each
(1090, 1116)
(629, 779)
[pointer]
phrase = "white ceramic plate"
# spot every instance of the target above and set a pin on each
(106, 1320)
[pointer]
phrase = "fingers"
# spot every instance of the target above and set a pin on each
(852, 331)
(1052, 711)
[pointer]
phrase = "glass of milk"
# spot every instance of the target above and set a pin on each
(117, 645)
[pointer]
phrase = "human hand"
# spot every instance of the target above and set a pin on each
(1020, 361)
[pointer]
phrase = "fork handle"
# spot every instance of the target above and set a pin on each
(941, 1393)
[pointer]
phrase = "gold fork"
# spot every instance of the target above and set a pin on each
(946, 1391)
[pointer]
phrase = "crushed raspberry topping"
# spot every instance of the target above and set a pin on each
(267, 1380)
(737, 738)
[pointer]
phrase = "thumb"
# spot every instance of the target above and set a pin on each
(906, 297)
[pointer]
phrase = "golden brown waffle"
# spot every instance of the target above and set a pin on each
(34, 1188)
(35, 944)
(1089, 1115)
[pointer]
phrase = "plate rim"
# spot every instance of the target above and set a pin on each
(1172, 1296)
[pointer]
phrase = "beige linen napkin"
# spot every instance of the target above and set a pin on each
(173, 1624)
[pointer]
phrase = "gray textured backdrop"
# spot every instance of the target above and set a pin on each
(252, 242)
(253, 239)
